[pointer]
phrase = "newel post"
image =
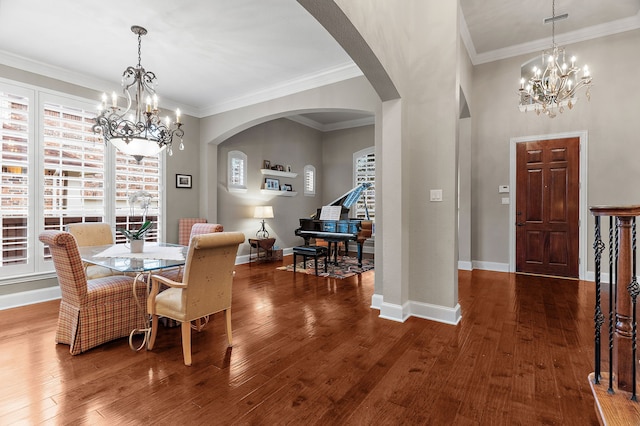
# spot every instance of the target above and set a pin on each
(623, 339)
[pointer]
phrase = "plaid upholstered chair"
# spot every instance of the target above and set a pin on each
(95, 311)
(204, 290)
(184, 228)
(93, 234)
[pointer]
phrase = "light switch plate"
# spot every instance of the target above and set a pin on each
(436, 195)
(505, 200)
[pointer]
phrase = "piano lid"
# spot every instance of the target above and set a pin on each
(347, 199)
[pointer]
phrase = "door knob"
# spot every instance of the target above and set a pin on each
(519, 224)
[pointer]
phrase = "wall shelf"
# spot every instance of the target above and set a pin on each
(277, 173)
(278, 193)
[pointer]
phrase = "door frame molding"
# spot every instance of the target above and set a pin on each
(582, 231)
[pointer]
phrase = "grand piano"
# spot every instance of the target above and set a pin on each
(338, 229)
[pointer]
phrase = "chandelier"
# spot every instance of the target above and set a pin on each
(554, 83)
(140, 132)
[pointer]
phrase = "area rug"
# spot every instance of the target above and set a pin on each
(346, 267)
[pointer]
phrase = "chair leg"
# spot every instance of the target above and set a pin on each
(227, 315)
(154, 332)
(186, 341)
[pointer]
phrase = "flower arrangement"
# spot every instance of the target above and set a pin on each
(136, 235)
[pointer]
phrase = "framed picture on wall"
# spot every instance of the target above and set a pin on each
(287, 187)
(270, 183)
(266, 164)
(183, 181)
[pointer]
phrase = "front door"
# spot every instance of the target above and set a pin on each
(547, 207)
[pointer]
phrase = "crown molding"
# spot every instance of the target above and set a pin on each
(584, 34)
(78, 79)
(311, 81)
(348, 124)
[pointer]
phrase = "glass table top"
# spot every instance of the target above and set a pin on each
(119, 257)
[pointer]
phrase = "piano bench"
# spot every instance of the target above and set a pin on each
(310, 251)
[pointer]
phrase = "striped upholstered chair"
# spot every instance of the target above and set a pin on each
(96, 311)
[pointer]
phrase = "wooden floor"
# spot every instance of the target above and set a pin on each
(310, 350)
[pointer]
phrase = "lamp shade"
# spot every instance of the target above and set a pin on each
(263, 212)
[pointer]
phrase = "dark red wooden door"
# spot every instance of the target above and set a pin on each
(547, 207)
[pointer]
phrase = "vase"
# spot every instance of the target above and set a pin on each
(137, 246)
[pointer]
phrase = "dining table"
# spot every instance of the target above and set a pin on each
(155, 257)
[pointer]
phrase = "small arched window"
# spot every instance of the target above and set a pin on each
(237, 171)
(309, 180)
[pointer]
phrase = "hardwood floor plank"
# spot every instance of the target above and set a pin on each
(310, 350)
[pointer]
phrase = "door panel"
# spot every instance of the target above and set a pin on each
(535, 191)
(547, 207)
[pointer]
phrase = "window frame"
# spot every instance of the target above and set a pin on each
(370, 206)
(231, 157)
(309, 169)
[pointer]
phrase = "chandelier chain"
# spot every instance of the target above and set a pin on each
(139, 50)
(553, 23)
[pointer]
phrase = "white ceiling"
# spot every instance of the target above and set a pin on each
(214, 55)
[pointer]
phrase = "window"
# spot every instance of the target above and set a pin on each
(309, 180)
(16, 159)
(364, 170)
(237, 171)
(60, 172)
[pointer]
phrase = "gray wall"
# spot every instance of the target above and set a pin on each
(337, 159)
(610, 118)
(286, 142)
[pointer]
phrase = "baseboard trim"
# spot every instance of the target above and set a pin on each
(490, 266)
(465, 265)
(30, 297)
(401, 313)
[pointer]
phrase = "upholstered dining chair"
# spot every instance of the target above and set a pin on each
(199, 228)
(96, 311)
(184, 228)
(205, 288)
(93, 234)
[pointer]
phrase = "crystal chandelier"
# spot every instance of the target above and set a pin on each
(554, 83)
(140, 132)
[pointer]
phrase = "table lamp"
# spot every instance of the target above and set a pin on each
(263, 212)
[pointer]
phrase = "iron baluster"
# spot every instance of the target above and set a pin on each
(598, 318)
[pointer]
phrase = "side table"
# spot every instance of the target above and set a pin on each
(262, 244)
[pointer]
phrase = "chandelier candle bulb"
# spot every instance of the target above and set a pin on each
(114, 100)
(178, 115)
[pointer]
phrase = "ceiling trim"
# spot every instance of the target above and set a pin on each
(310, 81)
(76, 78)
(584, 34)
(348, 124)
(328, 76)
